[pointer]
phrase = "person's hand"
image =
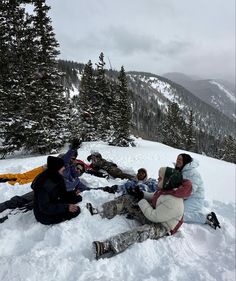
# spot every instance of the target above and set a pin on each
(75, 144)
(77, 192)
(73, 208)
(136, 192)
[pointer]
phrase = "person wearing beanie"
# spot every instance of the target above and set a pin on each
(194, 206)
(160, 213)
(52, 203)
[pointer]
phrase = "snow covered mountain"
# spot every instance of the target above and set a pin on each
(217, 93)
(207, 118)
(63, 252)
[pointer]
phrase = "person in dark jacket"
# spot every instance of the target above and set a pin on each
(98, 163)
(52, 203)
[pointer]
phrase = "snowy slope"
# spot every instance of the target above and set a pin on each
(31, 251)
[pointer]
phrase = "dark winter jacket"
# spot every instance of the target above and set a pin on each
(51, 200)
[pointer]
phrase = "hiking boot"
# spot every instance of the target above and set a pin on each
(102, 249)
(212, 220)
(93, 211)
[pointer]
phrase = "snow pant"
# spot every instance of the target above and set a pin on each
(128, 205)
(25, 200)
(122, 241)
(193, 212)
(125, 204)
(117, 173)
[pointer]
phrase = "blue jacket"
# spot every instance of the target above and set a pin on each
(148, 185)
(71, 175)
(190, 172)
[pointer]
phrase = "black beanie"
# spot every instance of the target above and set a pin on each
(186, 158)
(54, 163)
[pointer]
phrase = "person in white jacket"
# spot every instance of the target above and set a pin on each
(193, 207)
(160, 213)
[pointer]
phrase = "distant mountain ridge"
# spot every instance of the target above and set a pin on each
(217, 93)
(150, 99)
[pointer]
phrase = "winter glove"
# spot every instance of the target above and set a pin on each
(75, 144)
(136, 192)
(110, 189)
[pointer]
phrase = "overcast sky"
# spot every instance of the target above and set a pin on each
(196, 37)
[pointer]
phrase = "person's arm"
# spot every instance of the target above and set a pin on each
(165, 210)
(67, 157)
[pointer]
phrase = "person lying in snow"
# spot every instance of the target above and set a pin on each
(193, 207)
(141, 180)
(98, 163)
(52, 202)
(160, 213)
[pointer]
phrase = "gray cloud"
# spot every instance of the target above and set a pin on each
(194, 37)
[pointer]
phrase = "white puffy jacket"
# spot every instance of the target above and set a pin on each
(190, 172)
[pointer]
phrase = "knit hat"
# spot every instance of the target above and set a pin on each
(95, 155)
(54, 164)
(171, 178)
(186, 158)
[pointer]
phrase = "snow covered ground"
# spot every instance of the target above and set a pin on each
(32, 251)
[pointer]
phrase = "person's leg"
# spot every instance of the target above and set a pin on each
(117, 173)
(120, 242)
(116, 207)
(193, 211)
(17, 201)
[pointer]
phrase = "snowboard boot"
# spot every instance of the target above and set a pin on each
(212, 220)
(93, 211)
(102, 249)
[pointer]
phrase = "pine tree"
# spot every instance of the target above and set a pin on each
(122, 111)
(13, 35)
(46, 111)
(87, 104)
(228, 150)
(190, 140)
(173, 127)
(103, 101)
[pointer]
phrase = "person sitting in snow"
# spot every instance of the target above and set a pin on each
(193, 212)
(52, 203)
(99, 163)
(141, 180)
(73, 170)
(160, 213)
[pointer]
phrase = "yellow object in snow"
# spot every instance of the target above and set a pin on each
(24, 178)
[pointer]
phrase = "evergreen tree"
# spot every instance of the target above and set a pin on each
(46, 108)
(122, 113)
(88, 104)
(190, 140)
(13, 49)
(173, 127)
(103, 101)
(228, 150)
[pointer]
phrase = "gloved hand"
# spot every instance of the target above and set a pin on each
(75, 144)
(136, 192)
